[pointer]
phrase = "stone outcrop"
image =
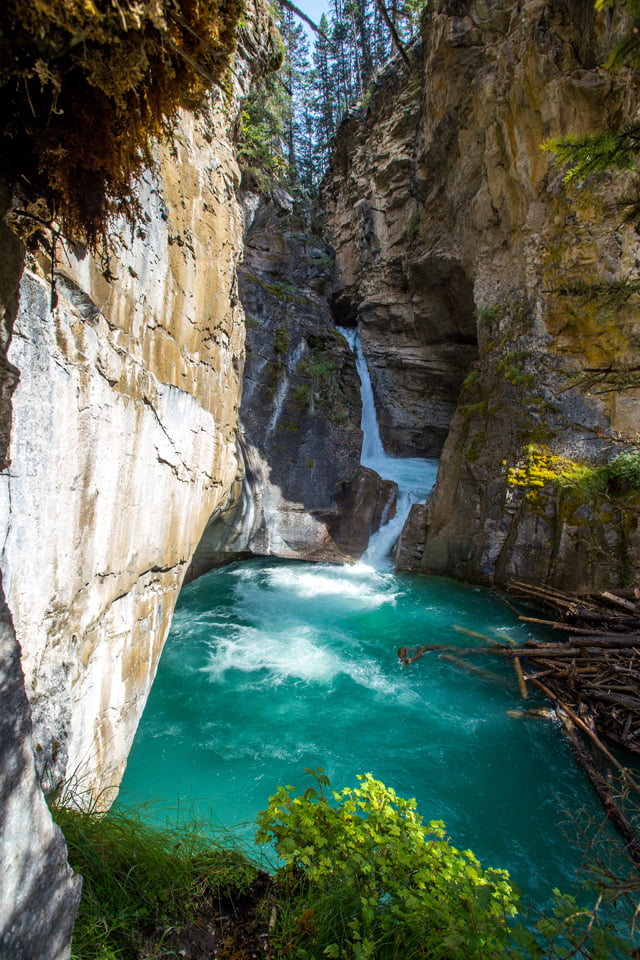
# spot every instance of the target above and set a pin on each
(504, 256)
(123, 441)
(303, 495)
(39, 894)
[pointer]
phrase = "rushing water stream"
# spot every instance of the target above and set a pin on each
(273, 666)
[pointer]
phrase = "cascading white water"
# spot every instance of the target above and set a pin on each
(414, 476)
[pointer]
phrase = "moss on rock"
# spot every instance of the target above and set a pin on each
(86, 87)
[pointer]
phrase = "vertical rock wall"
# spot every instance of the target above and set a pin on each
(535, 275)
(304, 495)
(38, 893)
(124, 441)
(415, 312)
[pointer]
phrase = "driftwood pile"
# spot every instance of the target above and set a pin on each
(596, 670)
(592, 675)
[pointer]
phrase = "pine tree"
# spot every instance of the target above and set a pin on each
(315, 92)
(295, 77)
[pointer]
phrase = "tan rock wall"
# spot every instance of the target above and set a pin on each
(123, 444)
(496, 252)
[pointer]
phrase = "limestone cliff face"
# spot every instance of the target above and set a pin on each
(123, 442)
(39, 894)
(303, 495)
(415, 313)
(496, 252)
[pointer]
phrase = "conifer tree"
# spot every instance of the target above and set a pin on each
(317, 89)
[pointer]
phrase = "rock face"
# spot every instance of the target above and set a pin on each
(40, 894)
(415, 312)
(536, 275)
(123, 443)
(303, 494)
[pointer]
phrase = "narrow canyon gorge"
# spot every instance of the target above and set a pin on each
(186, 399)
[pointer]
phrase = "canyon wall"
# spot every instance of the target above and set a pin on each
(456, 237)
(123, 439)
(303, 494)
(39, 894)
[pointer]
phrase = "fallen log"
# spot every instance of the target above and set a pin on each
(524, 693)
(476, 671)
(603, 790)
(607, 640)
(627, 605)
(530, 651)
(626, 776)
(472, 633)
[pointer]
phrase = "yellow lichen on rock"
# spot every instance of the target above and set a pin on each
(537, 468)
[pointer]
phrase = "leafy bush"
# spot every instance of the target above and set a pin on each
(362, 878)
(365, 878)
(618, 478)
(623, 473)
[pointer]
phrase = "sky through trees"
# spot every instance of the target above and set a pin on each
(291, 117)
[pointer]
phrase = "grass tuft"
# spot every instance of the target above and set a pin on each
(144, 885)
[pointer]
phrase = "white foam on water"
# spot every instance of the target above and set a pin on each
(310, 583)
(292, 651)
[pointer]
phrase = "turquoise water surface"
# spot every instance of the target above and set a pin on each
(274, 666)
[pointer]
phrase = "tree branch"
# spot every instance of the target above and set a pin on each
(298, 12)
(394, 35)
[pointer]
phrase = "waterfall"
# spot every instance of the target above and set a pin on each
(373, 454)
(414, 476)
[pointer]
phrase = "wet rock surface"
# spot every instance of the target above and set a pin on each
(301, 403)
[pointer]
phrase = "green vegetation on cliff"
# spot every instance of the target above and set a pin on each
(620, 478)
(86, 88)
(618, 147)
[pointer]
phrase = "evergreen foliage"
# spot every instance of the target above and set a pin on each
(295, 116)
(596, 153)
(616, 148)
(627, 49)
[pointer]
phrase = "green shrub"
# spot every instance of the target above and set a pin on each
(281, 340)
(618, 478)
(365, 878)
(488, 314)
(623, 473)
(362, 878)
